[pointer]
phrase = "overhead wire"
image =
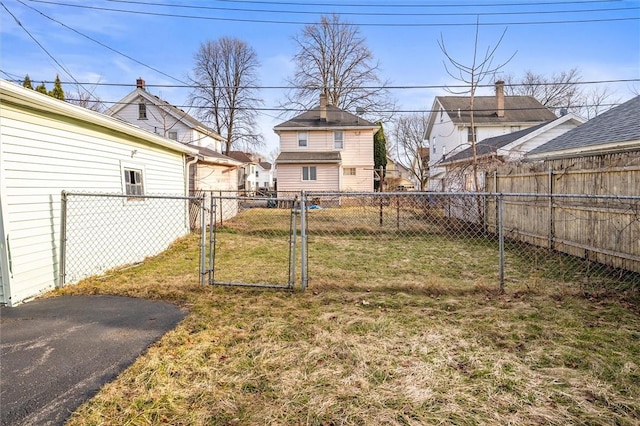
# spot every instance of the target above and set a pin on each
(363, 13)
(364, 24)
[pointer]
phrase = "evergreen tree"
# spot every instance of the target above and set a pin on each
(41, 88)
(379, 154)
(57, 91)
(27, 82)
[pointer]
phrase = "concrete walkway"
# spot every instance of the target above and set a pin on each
(56, 353)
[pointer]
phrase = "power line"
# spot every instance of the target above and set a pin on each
(392, 87)
(102, 44)
(415, 5)
(365, 24)
(361, 13)
(421, 110)
(35, 40)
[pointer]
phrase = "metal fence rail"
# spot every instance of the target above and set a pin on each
(105, 231)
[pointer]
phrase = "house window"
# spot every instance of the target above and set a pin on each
(470, 134)
(441, 115)
(349, 171)
(338, 140)
(142, 111)
(302, 138)
(133, 182)
(257, 174)
(173, 135)
(309, 173)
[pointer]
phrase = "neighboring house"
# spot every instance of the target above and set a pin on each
(248, 171)
(155, 115)
(398, 177)
(325, 149)
(214, 171)
(612, 132)
(449, 124)
(495, 151)
(265, 176)
(48, 146)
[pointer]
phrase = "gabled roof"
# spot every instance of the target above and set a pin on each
(517, 109)
(490, 146)
(177, 113)
(616, 129)
(306, 157)
(12, 93)
(242, 157)
(212, 156)
(265, 165)
(336, 119)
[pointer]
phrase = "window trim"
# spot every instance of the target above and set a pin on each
(172, 132)
(344, 171)
(142, 111)
(311, 173)
(341, 133)
(133, 167)
(306, 139)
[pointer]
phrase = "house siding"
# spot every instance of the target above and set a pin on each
(290, 178)
(357, 153)
(42, 154)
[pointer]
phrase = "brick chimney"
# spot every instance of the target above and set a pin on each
(140, 83)
(500, 98)
(323, 106)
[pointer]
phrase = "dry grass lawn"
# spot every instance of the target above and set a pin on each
(410, 332)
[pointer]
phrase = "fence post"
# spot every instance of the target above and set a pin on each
(303, 241)
(293, 234)
(203, 230)
(212, 238)
(551, 224)
(63, 239)
(501, 239)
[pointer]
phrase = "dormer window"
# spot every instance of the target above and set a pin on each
(142, 111)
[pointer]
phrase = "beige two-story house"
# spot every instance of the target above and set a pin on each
(325, 149)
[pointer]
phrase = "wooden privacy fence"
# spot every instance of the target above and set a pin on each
(587, 207)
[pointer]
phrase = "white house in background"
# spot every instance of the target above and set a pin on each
(325, 149)
(498, 150)
(48, 146)
(449, 124)
(265, 176)
(155, 115)
(248, 171)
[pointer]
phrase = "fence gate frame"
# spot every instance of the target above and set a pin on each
(297, 224)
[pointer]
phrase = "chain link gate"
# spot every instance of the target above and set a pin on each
(268, 231)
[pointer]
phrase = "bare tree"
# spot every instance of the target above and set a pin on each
(85, 97)
(225, 87)
(472, 76)
(413, 151)
(596, 101)
(332, 57)
(560, 90)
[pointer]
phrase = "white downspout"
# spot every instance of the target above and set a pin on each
(188, 175)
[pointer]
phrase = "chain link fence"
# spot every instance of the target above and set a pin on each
(322, 239)
(487, 238)
(100, 232)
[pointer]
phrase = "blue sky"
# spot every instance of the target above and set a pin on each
(600, 38)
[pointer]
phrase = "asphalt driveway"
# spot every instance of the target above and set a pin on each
(56, 353)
